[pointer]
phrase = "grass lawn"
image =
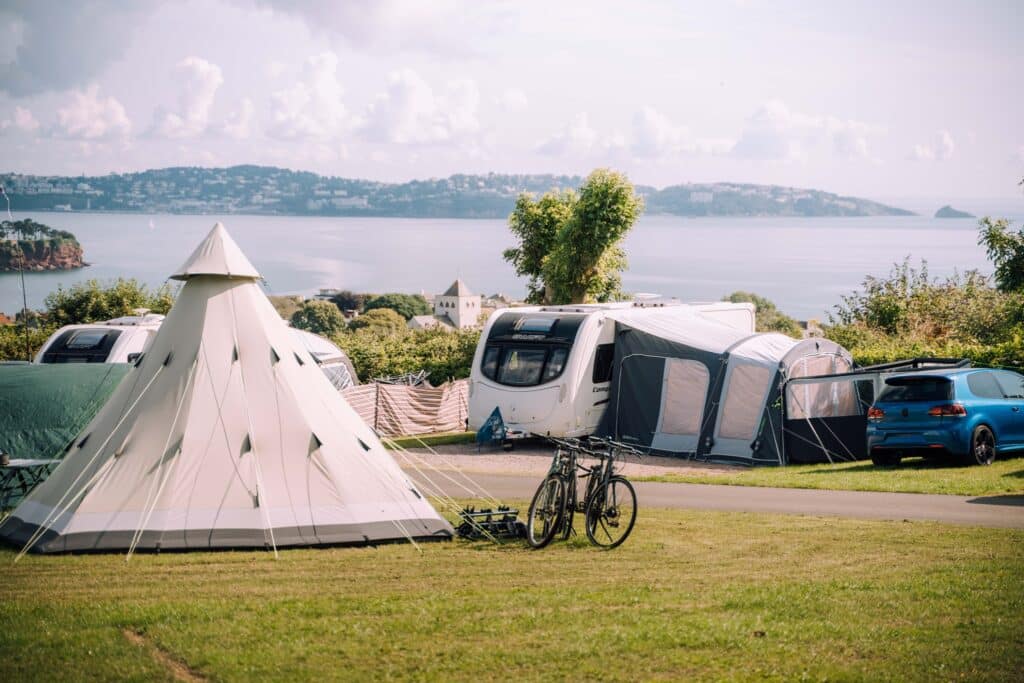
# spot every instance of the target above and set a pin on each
(690, 595)
(914, 475)
(438, 439)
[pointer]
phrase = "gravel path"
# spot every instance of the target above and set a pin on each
(515, 475)
(530, 458)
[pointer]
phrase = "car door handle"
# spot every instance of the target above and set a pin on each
(1015, 409)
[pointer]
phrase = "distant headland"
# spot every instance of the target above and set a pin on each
(33, 246)
(949, 212)
(277, 191)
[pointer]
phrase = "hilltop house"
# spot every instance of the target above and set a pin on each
(458, 308)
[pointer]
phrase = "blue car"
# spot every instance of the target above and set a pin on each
(972, 414)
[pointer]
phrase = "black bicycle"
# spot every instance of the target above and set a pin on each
(609, 500)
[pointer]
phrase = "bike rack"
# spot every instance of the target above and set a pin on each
(500, 523)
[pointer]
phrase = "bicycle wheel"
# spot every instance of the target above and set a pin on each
(568, 512)
(611, 513)
(546, 511)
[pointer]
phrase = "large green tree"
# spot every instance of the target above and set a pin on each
(348, 300)
(1005, 248)
(569, 243)
(536, 224)
(406, 305)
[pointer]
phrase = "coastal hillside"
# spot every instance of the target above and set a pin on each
(270, 190)
(33, 246)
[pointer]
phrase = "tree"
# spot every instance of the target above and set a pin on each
(769, 317)
(380, 321)
(536, 225)
(319, 317)
(351, 301)
(406, 305)
(89, 301)
(1005, 249)
(569, 244)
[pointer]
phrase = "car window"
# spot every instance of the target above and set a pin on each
(984, 385)
(1011, 383)
(916, 389)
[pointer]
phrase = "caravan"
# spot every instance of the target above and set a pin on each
(548, 369)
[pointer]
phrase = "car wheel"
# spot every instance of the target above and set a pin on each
(886, 459)
(983, 446)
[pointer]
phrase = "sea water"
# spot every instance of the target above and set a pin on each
(804, 265)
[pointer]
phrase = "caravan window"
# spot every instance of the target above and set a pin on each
(521, 366)
(81, 346)
(556, 363)
(489, 366)
(604, 360)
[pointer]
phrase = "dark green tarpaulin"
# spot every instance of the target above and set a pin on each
(43, 407)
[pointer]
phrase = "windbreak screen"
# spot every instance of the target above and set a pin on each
(744, 401)
(685, 389)
(827, 398)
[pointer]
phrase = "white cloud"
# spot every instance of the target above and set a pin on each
(239, 124)
(513, 99)
(22, 121)
(91, 117)
(774, 132)
(313, 107)
(410, 112)
(200, 81)
(577, 137)
(940, 149)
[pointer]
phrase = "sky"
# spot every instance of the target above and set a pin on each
(876, 99)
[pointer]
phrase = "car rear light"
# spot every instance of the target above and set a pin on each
(949, 410)
(875, 414)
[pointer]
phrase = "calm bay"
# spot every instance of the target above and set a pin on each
(803, 264)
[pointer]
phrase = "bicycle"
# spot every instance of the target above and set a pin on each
(609, 502)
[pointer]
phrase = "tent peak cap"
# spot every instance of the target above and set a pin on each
(217, 255)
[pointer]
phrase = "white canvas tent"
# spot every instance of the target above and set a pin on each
(225, 434)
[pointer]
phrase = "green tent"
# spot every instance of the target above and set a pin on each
(43, 407)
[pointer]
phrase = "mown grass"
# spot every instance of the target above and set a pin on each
(438, 439)
(914, 475)
(691, 595)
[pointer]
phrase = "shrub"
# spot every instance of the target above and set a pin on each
(319, 317)
(444, 354)
(90, 301)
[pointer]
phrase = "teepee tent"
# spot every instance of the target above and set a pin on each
(224, 434)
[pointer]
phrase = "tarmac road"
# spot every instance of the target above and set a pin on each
(994, 511)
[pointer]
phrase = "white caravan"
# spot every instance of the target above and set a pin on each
(122, 340)
(548, 369)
